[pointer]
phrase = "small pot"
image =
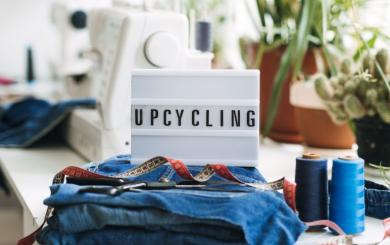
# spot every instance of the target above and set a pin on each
(314, 123)
(284, 128)
(373, 139)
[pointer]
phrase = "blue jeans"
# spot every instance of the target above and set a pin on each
(377, 198)
(25, 122)
(132, 236)
(202, 217)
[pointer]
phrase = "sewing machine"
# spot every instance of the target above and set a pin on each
(69, 64)
(124, 39)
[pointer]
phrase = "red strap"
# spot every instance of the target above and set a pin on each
(59, 178)
(289, 191)
(327, 223)
(224, 172)
(181, 169)
(80, 172)
(30, 239)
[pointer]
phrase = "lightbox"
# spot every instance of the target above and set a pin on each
(198, 116)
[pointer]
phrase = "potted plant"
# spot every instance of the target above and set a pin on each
(363, 98)
(316, 126)
(299, 44)
(276, 22)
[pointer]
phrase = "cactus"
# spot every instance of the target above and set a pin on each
(371, 112)
(353, 106)
(346, 67)
(381, 58)
(354, 94)
(383, 92)
(383, 108)
(362, 85)
(322, 87)
(368, 64)
(337, 113)
(351, 86)
(371, 97)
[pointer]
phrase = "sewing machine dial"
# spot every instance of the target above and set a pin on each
(162, 57)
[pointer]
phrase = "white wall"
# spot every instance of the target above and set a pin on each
(24, 22)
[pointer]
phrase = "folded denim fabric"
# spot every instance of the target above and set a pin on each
(27, 121)
(128, 235)
(262, 217)
(80, 218)
(377, 198)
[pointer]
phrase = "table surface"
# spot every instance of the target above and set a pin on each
(30, 172)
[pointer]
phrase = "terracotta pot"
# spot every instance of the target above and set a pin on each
(315, 125)
(318, 130)
(285, 127)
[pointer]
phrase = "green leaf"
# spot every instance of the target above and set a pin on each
(366, 45)
(292, 58)
(370, 43)
(328, 59)
(261, 9)
(322, 37)
(383, 172)
(352, 126)
(277, 87)
(325, 11)
(304, 27)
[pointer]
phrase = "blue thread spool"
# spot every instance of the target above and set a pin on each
(203, 36)
(347, 207)
(311, 177)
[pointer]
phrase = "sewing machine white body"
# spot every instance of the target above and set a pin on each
(123, 40)
(128, 40)
(70, 18)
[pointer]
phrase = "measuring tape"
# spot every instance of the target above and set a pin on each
(181, 169)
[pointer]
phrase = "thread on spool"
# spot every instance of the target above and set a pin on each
(30, 74)
(311, 177)
(203, 36)
(347, 208)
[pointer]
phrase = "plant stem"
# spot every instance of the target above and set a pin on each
(259, 55)
(384, 78)
(277, 88)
